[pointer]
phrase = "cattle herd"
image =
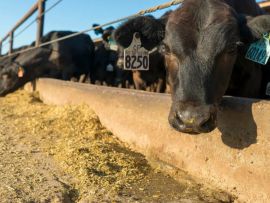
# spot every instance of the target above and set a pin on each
(197, 53)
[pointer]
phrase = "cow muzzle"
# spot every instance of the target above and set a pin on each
(193, 119)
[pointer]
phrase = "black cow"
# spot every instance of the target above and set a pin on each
(204, 44)
(155, 78)
(65, 60)
(104, 70)
(5, 59)
(107, 70)
(123, 77)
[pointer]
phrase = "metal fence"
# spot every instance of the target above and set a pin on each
(38, 6)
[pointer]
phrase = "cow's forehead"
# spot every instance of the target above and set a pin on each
(187, 30)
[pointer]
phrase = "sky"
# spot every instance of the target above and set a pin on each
(74, 15)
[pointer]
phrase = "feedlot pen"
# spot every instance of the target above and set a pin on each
(64, 154)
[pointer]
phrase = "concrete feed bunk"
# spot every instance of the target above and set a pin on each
(234, 157)
(63, 154)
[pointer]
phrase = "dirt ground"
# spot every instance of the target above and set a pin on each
(64, 154)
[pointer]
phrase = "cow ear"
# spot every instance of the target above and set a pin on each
(98, 31)
(259, 25)
(150, 29)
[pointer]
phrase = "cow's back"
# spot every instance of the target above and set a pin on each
(75, 45)
(75, 54)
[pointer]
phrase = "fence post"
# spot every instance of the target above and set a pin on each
(1, 42)
(11, 35)
(40, 28)
(40, 21)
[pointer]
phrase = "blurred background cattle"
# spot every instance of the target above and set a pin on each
(70, 59)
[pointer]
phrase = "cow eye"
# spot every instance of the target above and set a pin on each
(240, 44)
(164, 49)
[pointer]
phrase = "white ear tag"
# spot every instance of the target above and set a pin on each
(136, 57)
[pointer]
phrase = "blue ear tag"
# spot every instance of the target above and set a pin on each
(259, 51)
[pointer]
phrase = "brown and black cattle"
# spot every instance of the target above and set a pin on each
(154, 79)
(123, 78)
(106, 69)
(103, 71)
(5, 58)
(71, 58)
(204, 45)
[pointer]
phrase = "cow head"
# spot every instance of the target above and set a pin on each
(16, 71)
(10, 76)
(200, 44)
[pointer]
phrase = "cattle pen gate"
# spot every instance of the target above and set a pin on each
(235, 157)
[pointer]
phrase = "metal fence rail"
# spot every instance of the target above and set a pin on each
(38, 6)
(33, 21)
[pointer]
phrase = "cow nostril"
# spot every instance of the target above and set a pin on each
(178, 119)
(208, 124)
(176, 122)
(182, 125)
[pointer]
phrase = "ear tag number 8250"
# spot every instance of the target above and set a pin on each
(136, 57)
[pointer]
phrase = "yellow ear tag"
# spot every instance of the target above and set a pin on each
(20, 72)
